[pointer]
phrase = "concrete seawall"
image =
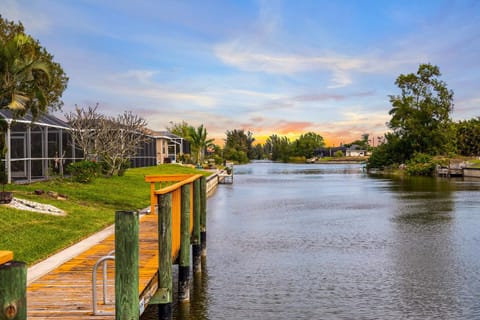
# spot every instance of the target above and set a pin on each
(471, 172)
(212, 183)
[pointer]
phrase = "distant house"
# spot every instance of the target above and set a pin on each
(355, 151)
(329, 151)
(169, 146)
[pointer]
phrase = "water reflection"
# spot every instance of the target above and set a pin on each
(423, 260)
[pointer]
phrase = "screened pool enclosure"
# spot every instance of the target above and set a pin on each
(43, 148)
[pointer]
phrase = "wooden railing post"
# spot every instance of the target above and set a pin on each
(126, 265)
(196, 242)
(203, 215)
(165, 280)
(184, 261)
(13, 288)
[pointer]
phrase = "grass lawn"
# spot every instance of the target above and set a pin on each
(474, 163)
(90, 207)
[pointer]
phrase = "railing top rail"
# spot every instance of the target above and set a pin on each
(5, 256)
(185, 179)
(167, 177)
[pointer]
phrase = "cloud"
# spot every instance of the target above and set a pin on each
(34, 20)
(253, 58)
(330, 96)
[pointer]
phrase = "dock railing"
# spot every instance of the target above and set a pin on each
(180, 201)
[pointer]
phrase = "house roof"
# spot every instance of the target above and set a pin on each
(46, 120)
(164, 134)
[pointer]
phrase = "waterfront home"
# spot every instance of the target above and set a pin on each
(39, 148)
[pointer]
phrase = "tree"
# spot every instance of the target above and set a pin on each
(86, 124)
(239, 146)
(362, 143)
(112, 140)
(278, 148)
(199, 142)
(119, 139)
(307, 143)
(29, 78)
(421, 113)
(181, 129)
(467, 135)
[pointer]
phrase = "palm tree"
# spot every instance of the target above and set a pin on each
(199, 142)
(23, 76)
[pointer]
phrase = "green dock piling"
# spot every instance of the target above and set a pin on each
(126, 265)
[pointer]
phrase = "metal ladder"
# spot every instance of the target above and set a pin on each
(102, 261)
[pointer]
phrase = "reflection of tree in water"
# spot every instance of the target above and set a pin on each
(426, 276)
(422, 200)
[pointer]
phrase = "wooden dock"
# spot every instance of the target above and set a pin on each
(67, 293)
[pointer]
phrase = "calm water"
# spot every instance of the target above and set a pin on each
(329, 242)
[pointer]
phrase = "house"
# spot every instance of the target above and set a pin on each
(329, 152)
(36, 149)
(355, 151)
(169, 146)
(39, 148)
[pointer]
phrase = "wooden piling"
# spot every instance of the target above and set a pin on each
(203, 215)
(165, 279)
(126, 265)
(184, 261)
(13, 291)
(196, 242)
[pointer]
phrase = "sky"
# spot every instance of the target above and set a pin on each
(265, 66)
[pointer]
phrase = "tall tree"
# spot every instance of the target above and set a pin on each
(29, 78)
(421, 112)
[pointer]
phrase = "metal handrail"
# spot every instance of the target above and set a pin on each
(103, 261)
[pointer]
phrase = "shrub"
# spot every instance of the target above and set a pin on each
(421, 165)
(83, 171)
(301, 159)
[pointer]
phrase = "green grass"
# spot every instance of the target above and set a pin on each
(474, 163)
(90, 208)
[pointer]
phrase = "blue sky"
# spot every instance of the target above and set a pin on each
(284, 67)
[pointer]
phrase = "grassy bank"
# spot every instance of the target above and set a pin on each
(474, 163)
(90, 207)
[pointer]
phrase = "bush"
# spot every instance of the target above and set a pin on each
(301, 159)
(421, 165)
(338, 154)
(83, 171)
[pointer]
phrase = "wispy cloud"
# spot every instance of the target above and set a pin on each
(34, 21)
(252, 58)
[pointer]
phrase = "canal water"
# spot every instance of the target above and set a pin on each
(331, 242)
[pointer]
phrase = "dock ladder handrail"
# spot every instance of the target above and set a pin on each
(102, 261)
